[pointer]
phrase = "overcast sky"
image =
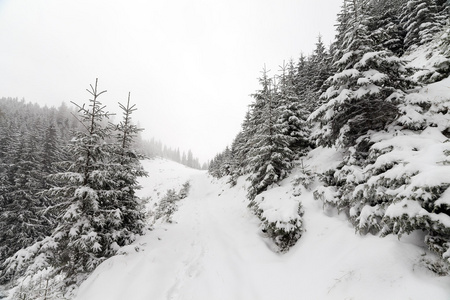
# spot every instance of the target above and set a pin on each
(190, 65)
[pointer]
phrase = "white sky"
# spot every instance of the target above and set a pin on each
(190, 65)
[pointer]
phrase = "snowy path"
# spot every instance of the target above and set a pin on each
(214, 250)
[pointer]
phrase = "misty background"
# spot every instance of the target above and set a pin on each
(190, 65)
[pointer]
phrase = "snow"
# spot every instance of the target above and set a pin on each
(214, 249)
(413, 209)
(163, 175)
(427, 58)
(346, 74)
(279, 208)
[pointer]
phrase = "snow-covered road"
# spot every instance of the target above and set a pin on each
(214, 250)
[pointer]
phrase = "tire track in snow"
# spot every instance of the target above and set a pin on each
(191, 263)
(220, 233)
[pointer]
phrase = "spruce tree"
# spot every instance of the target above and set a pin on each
(22, 204)
(292, 111)
(365, 96)
(82, 237)
(385, 25)
(420, 20)
(269, 157)
(127, 219)
(225, 166)
(364, 93)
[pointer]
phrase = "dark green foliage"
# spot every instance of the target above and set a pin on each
(125, 169)
(184, 192)
(270, 157)
(385, 25)
(168, 204)
(362, 99)
(421, 21)
(283, 238)
(29, 152)
(68, 206)
(82, 236)
(367, 87)
(81, 204)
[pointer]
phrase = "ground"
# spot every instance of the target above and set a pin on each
(215, 249)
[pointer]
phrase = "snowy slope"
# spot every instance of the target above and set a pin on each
(215, 250)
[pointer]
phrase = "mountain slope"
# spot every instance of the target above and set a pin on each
(215, 250)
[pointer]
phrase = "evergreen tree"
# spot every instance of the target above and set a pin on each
(93, 194)
(420, 20)
(167, 206)
(364, 93)
(127, 217)
(238, 148)
(215, 167)
(22, 204)
(269, 158)
(292, 114)
(82, 238)
(320, 62)
(385, 25)
(225, 166)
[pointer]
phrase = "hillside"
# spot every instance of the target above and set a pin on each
(214, 249)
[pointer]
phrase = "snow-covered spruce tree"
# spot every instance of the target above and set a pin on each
(184, 191)
(309, 76)
(221, 165)
(22, 205)
(225, 166)
(81, 239)
(385, 28)
(320, 70)
(420, 20)
(215, 166)
(292, 114)
(239, 151)
(416, 171)
(391, 167)
(369, 83)
(167, 206)
(127, 211)
(363, 98)
(269, 161)
(269, 157)
(98, 208)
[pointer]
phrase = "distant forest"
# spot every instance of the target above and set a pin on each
(155, 148)
(19, 119)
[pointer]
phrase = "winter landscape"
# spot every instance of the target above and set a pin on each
(336, 186)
